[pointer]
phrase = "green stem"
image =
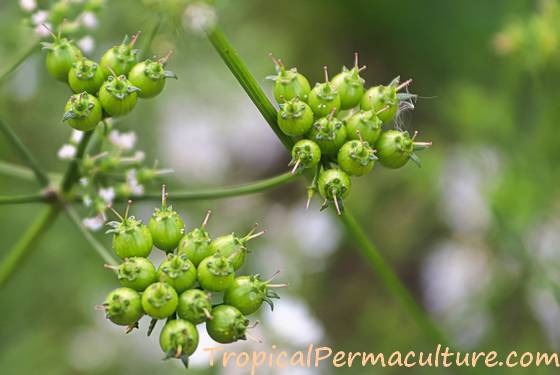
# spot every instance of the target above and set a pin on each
(25, 153)
(24, 198)
(17, 171)
(390, 278)
(247, 81)
(25, 54)
(386, 273)
(17, 254)
(98, 247)
(234, 191)
(73, 173)
(151, 36)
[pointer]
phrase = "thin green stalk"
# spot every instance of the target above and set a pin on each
(13, 170)
(25, 153)
(390, 278)
(96, 245)
(24, 55)
(21, 250)
(247, 81)
(218, 193)
(151, 36)
(24, 198)
(386, 273)
(72, 173)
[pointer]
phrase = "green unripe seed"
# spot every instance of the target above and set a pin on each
(305, 154)
(61, 55)
(234, 248)
(160, 300)
(395, 148)
(356, 158)
(117, 96)
(288, 83)
(228, 325)
(123, 306)
(120, 58)
(295, 117)
(350, 86)
(177, 271)
(178, 338)
(366, 124)
(85, 75)
(149, 76)
(215, 273)
(194, 306)
(329, 133)
(196, 244)
(382, 100)
(83, 112)
(334, 183)
(136, 273)
(247, 294)
(166, 226)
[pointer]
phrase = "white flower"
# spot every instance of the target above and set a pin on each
(39, 18)
(199, 17)
(76, 136)
(84, 181)
(86, 199)
(28, 5)
(139, 156)
(87, 44)
(124, 141)
(107, 194)
(41, 31)
(133, 184)
(67, 152)
(89, 19)
(94, 223)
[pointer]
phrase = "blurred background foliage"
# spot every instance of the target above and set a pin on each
(474, 234)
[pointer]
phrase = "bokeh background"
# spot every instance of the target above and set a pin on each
(474, 234)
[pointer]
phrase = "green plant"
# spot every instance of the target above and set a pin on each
(62, 196)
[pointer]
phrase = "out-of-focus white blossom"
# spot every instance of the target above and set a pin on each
(41, 31)
(124, 141)
(76, 136)
(199, 16)
(87, 44)
(84, 181)
(39, 18)
(89, 20)
(107, 194)
(86, 200)
(28, 5)
(132, 182)
(67, 152)
(94, 223)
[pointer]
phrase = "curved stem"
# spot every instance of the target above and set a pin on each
(96, 245)
(234, 191)
(72, 173)
(24, 198)
(386, 273)
(25, 54)
(151, 36)
(390, 278)
(26, 155)
(17, 254)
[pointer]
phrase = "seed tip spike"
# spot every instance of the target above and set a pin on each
(336, 203)
(326, 70)
(296, 166)
(356, 55)
(404, 84)
(206, 218)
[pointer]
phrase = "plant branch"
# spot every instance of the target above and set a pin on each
(24, 55)
(151, 36)
(24, 198)
(9, 169)
(247, 81)
(386, 273)
(25, 153)
(96, 245)
(72, 173)
(17, 254)
(217, 193)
